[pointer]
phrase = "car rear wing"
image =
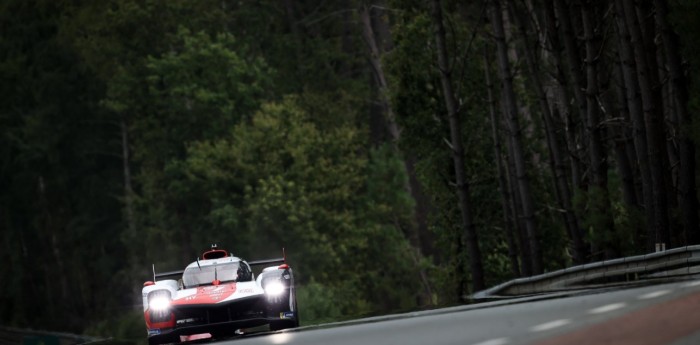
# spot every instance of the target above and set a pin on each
(179, 273)
(282, 260)
(266, 262)
(169, 274)
(173, 274)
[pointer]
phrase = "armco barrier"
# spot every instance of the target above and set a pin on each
(677, 262)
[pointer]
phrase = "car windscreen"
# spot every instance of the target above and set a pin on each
(205, 275)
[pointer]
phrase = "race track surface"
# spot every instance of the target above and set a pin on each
(653, 315)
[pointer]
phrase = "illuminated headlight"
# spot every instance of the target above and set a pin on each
(274, 289)
(159, 303)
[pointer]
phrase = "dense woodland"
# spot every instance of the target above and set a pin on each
(404, 153)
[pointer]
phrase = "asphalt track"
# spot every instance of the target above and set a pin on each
(649, 315)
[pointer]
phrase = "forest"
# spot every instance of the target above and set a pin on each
(404, 153)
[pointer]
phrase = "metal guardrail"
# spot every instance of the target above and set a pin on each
(677, 262)
(14, 336)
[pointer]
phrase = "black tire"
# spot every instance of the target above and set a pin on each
(279, 325)
(152, 341)
(296, 313)
(163, 340)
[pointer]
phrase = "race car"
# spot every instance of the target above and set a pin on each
(217, 296)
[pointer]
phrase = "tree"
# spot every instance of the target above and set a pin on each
(509, 221)
(557, 164)
(455, 144)
(515, 138)
(687, 185)
(413, 229)
(284, 180)
(631, 87)
(654, 128)
(598, 160)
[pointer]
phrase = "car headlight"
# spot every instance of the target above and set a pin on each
(159, 300)
(274, 289)
(159, 303)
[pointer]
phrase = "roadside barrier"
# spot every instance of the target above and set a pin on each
(669, 264)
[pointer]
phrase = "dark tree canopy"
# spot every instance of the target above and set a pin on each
(404, 153)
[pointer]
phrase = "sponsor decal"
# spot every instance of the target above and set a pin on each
(185, 321)
(208, 295)
(154, 331)
(287, 315)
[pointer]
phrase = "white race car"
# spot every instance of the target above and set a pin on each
(217, 296)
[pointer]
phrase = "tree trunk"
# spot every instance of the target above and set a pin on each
(412, 230)
(422, 208)
(515, 136)
(515, 200)
(57, 273)
(563, 94)
(294, 28)
(457, 151)
(529, 133)
(129, 214)
(502, 182)
(615, 103)
(128, 189)
(634, 104)
(379, 75)
(624, 146)
(557, 165)
(572, 55)
(654, 127)
(679, 90)
(516, 205)
(598, 159)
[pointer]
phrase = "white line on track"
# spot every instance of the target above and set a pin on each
(692, 284)
(654, 294)
(550, 325)
(607, 308)
(497, 341)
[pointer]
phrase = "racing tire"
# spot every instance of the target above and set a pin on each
(283, 324)
(279, 325)
(159, 341)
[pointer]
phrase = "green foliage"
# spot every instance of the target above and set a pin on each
(320, 303)
(589, 205)
(281, 181)
(198, 90)
(629, 221)
(128, 328)
(419, 105)
(248, 124)
(58, 176)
